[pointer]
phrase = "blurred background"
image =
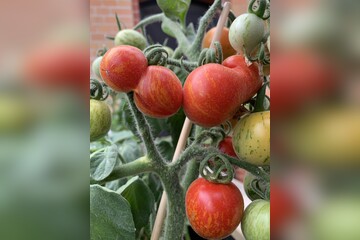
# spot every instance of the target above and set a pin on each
(315, 138)
(44, 119)
(44, 82)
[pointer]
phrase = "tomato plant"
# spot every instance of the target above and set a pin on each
(170, 112)
(256, 220)
(252, 138)
(121, 68)
(227, 49)
(159, 93)
(213, 92)
(100, 119)
(214, 210)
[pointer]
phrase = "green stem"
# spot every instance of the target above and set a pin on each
(179, 63)
(195, 48)
(149, 20)
(175, 217)
(191, 152)
(144, 131)
(135, 167)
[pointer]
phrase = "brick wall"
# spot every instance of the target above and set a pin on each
(103, 22)
(102, 19)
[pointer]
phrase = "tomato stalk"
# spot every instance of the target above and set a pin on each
(140, 165)
(175, 220)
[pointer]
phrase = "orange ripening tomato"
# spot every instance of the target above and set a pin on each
(227, 49)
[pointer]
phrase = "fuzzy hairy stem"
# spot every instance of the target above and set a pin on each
(195, 48)
(135, 167)
(144, 131)
(175, 217)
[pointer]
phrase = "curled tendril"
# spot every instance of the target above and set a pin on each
(216, 168)
(227, 126)
(156, 55)
(210, 137)
(211, 55)
(100, 52)
(260, 8)
(98, 90)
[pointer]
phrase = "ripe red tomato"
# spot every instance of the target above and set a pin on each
(159, 93)
(226, 146)
(213, 92)
(227, 49)
(214, 210)
(121, 67)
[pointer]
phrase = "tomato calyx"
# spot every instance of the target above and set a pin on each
(261, 188)
(98, 90)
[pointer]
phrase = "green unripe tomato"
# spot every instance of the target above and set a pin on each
(246, 32)
(251, 138)
(255, 223)
(95, 67)
(100, 119)
(130, 37)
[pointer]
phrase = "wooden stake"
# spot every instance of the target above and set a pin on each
(159, 221)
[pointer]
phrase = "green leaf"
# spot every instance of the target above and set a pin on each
(116, 184)
(117, 137)
(130, 150)
(174, 9)
(170, 27)
(102, 162)
(141, 199)
(110, 215)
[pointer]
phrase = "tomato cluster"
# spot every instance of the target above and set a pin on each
(157, 90)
